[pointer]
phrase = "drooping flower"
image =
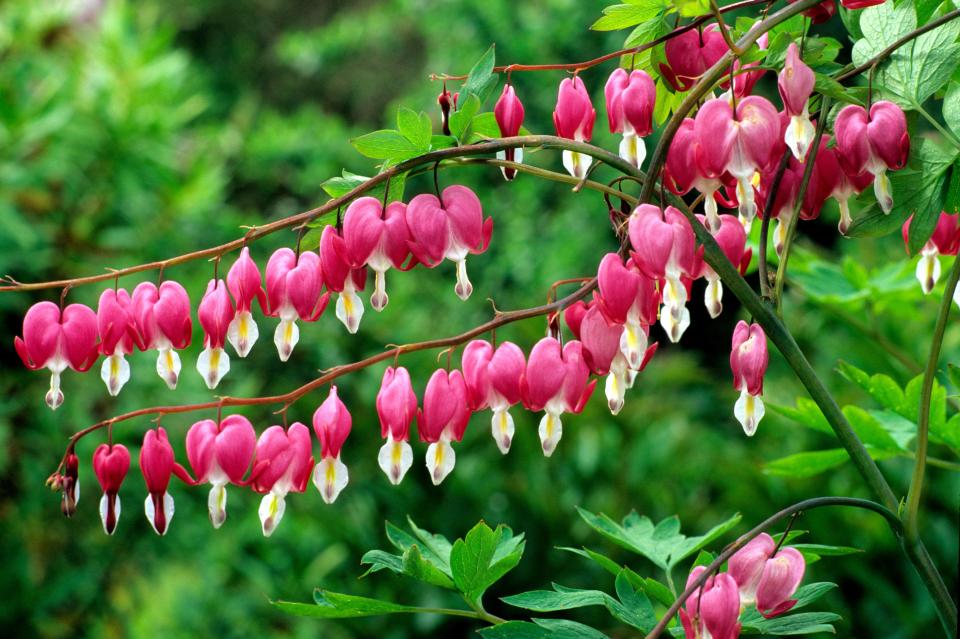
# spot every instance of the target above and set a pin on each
(245, 284)
(451, 227)
(748, 361)
(444, 419)
(446, 100)
(508, 112)
(342, 279)
(70, 484)
(860, 4)
(163, 320)
(821, 12)
(556, 381)
(110, 464)
(682, 172)
(732, 239)
(331, 423)
(874, 143)
(630, 298)
(57, 341)
(690, 54)
(664, 247)
(493, 380)
(845, 185)
(220, 454)
(397, 409)
(795, 83)
(945, 240)
(630, 100)
(713, 611)
(743, 79)
(376, 238)
(767, 577)
(157, 464)
(293, 292)
(573, 119)
(282, 463)
(602, 350)
(118, 336)
(215, 314)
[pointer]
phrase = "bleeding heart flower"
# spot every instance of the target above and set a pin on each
(509, 115)
(873, 143)
(744, 80)
(845, 185)
(340, 277)
(446, 101)
(556, 381)
(220, 454)
(451, 229)
(293, 292)
(110, 464)
(732, 239)
(573, 119)
(781, 576)
(748, 361)
(245, 284)
(163, 319)
(630, 298)
(630, 101)
(118, 336)
(690, 54)
(215, 314)
(795, 83)
(944, 241)
(713, 611)
(282, 463)
(70, 484)
(860, 4)
(493, 380)
(157, 464)
(397, 409)
(444, 419)
(378, 239)
(822, 12)
(331, 423)
(57, 341)
(682, 172)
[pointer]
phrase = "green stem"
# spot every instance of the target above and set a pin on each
(923, 419)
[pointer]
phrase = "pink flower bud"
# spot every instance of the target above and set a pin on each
(282, 463)
(57, 341)
(509, 115)
(630, 101)
(732, 239)
(713, 610)
(860, 4)
(795, 83)
(748, 361)
(215, 314)
(445, 415)
(118, 336)
(376, 238)
(70, 485)
(293, 292)
(781, 576)
(157, 465)
(163, 319)
(493, 381)
(446, 101)
(220, 454)
(110, 465)
(822, 12)
(573, 119)
(746, 566)
(331, 423)
(397, 409)
(245, 284)
(690, 54)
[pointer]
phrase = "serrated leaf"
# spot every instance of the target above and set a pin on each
(435, 548)
(881, 387)
(635, 608)
(462, 119)
(474, 561)
(332, 605)
(806, 464)
(416, 127)
(379, 560)
(826, 85)
(414, 565)
(806, 413)
(483, 126)
(623, 16)
(386, 144)
(870, 431)
(802, 623)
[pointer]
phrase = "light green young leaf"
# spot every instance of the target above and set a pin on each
(415, 127)
(870, 431)
(692, 8)
(386, 144)
(476, 563)
(622, 16)
(806, 464)
(332, 605)
(951, 107)
(481, 80)
(462, 119)
(806, 413)
(414, 565)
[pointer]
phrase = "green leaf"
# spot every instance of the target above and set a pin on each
(692, 8)
(662, 544)
(475, 562)
(415, 127)
(635, 609)
(826, 85)
(649, 585)
(951, 107)
(881, 387)
(414, 565)
(870, 431)
(813, 552)
(484, 125)
(541, 629)
(559, 598)
(332, 605)
(436, 548)
(806, 464)
(643, 33)
(806, 413)
(622, 16)
(340, 186)
(379, 560)
(802, 623)
(704, 558)
(462, 118)
(481, 79)
(386, 144)
(951, 202)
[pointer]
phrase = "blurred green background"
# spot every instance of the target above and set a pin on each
(134, 131)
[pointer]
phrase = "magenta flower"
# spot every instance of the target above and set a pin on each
(444, 419)
(713, 611)
(508, 112)
(493, 380)
(57, 341)
(873, 143)
(245, 284)
(860, 4)
(795, 83)
(215, 314)
(944, 241)
(110, 464)
(822, 12)
(293, 292)
(767, 577)
(397, 410)
(449, 229)
(556, 381)
(573, 119)
(630, 100)
(682, 172)
(690, 54)
(844, 184)
(157, 464)
(744, 80)
(602, 342)
(220, 454)
(630, 298)
(732, 239)
(340, 277)
(748, 361)
(446, 100)
(69, 482)
(118, 336)
(282, 463)
(163, 320)
(331, 423)
(376, 238)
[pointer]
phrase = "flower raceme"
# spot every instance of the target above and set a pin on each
(397, 410)
(56, 341)
(767, 577)
(945, 240)
(220, 454)
(157, 464)
(748, 361)
(573, 119)
(282, 463)
(118, 335)
(795, 84)
(630, 100)
(493, 378)
(294, 283)
(331, 423)
(508, 113)
(163, 320)
(443, 420)
(712, 611)
(378, 238)
(245, 285)
(215, 313)
(110, 464)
